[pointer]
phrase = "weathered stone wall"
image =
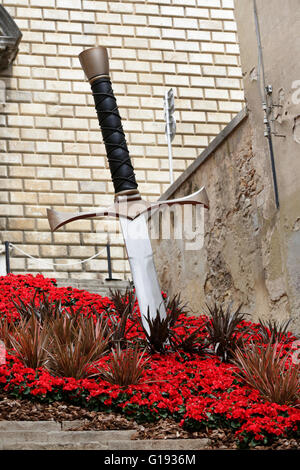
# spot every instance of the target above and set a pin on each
(280, 231)
(251, 252)
(227, 266)
(51, 150)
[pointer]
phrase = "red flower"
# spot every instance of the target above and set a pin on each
(194, 391)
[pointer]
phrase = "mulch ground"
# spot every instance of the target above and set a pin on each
(24, 410)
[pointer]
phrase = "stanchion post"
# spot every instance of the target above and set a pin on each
(7, 260)
(109, 278)
(109, 268)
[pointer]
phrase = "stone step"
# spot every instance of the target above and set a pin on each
(63, 436)
(95, 286)
(74, 424)
(52, 446)
(51, 435)
(159, 444)
(30, 426)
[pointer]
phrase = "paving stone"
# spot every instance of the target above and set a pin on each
(51, 435)
(160, 444)
(53, 446)
(94, 286)
(168, 444)
(29, 426)
(66, 425)
(64, 436)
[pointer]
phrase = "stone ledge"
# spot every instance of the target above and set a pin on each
(63, 437)
(167, 444)
(9, 426)
(96, 286)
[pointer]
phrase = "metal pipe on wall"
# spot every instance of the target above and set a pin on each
(264, 98)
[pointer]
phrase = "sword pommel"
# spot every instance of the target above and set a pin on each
(94, 62)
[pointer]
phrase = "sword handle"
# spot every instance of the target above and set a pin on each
(95, 64)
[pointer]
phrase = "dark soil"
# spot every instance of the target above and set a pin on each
(12, 409)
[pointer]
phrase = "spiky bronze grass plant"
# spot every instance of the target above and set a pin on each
(124, 307)
(6, 329)
(191, 343)
(223, 331)
(273, 331)
(120, 327)
(66, 343)
(270, 372)
(76, 345)
(175, 307)
(30, 340)
(95, 333)
(125, 368)
(64, 329)
(159, 333)
(123, 301)
(39, 306)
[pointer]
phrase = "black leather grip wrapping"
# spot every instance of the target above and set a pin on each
(121, 169)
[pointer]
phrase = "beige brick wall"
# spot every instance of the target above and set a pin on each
(51, 149)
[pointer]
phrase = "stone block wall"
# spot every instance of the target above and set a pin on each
(213, 272)
(51, 149)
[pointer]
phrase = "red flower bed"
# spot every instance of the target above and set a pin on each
(199, 392)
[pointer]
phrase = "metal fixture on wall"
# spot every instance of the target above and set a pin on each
(265, 92)
(10, 36)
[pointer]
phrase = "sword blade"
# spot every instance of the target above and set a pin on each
(140, 256)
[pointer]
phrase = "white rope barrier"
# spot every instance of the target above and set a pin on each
(39, 260)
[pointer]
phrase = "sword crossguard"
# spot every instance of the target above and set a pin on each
(124, 206)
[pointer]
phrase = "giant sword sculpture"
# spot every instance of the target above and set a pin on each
(128, 206)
